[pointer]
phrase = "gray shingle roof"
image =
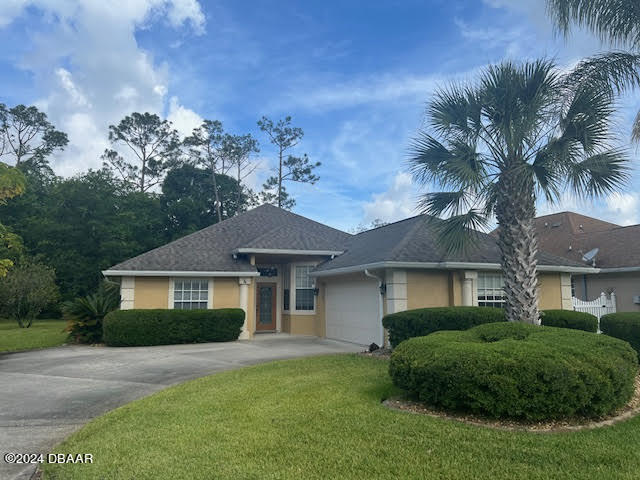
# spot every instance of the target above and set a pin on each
(211, 249)
(414, 240)
(268, 227)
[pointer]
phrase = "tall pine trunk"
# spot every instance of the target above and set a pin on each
(216, 195)
(515, 212)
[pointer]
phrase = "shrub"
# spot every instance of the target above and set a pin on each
(570, 319)
(84, 315)
(623, 325)
(517, 370)
(26, 290)
(164, 327)
(423, 321)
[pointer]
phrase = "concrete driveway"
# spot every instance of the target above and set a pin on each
(47, 394)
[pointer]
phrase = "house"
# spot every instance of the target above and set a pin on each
(292, 274)
(613, 249)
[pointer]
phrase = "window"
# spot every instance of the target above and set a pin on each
(286, 288)
(490, 290)
(304, 288)
(190, 294)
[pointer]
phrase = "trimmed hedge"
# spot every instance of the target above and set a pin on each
(129, 328)
(516, 370)
(570, 319)
(423, 321)
(623, 325)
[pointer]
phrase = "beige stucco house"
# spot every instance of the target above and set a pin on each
(292, 274)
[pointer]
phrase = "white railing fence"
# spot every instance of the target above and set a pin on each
(600, 306)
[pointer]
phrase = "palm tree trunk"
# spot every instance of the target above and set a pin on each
(515, 212)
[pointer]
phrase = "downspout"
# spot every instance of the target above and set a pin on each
(380, 302)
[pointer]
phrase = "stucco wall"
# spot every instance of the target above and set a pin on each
(428, 289)
(626, 286)
(151, 292)
(303, 325)
(226, 292)
(549, 291)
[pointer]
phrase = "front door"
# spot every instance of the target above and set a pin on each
(266, 307)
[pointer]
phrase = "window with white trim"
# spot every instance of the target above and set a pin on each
(490, 290)
(305, 295)
(190, 293)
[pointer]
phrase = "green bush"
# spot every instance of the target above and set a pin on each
(164, 327)
(84, 315)
(423, 321)
(623, 325)
(570, 319)
(517, 370)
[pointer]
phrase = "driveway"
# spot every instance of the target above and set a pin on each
(45, 395)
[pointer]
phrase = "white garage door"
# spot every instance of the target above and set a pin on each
(352, 311)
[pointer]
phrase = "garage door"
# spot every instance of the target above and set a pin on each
(352, 311)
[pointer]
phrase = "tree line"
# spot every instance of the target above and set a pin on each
(153, 187)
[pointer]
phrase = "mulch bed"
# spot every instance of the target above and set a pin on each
(630, 410)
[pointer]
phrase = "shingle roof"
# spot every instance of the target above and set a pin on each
(267, 227)
(571, 235)
(414, 240)
(211, 249)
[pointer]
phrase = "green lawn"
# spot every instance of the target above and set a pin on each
(322, 418)
(42, 334)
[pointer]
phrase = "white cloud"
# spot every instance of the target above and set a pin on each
(397, 203)
(184, 119)
(624, 208)
(76, 96)
(365, 90)
(181, 11)
(91, 70)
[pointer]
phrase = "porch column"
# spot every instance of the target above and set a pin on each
(244, 283)
(565, 291)
(468, 279)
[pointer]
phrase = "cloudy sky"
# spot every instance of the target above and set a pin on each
(354, 75)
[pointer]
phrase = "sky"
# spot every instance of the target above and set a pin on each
(354, 75)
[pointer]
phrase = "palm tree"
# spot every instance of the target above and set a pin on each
(495, 145)
(616, 22)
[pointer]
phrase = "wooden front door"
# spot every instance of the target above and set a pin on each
(265, 306)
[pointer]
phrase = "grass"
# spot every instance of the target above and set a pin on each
(320, 418)
(42, 334)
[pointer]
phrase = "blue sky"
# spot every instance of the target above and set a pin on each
(354, 75)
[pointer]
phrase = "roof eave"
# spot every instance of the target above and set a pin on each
(619, 269)
(176, 273)
(285, 251)
(447, 266)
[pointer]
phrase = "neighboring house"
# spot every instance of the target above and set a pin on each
(611, 248)
(291, 274)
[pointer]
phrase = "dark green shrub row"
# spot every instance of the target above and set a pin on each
(164, 327)
(517, 370)
(570, 319)
(423, 321)
(623, 325)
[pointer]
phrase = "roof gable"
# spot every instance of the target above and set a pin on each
(211, 249)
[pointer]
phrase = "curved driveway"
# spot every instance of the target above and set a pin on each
(47, 394)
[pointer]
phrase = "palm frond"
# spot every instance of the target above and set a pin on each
(455, 112)
(427, 156)
(635, 132)
(614, 72)
(587, 118)
(459, 233)
(443, 203)
(614, 21)
(599, 174)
